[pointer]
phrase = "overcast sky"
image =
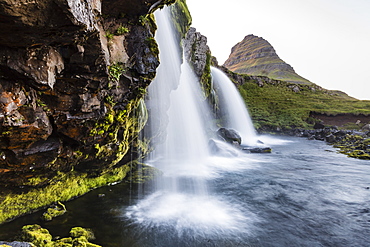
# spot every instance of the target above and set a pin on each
(325, 41)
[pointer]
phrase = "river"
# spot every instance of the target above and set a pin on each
(302, 194)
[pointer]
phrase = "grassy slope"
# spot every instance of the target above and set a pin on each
(277, 105)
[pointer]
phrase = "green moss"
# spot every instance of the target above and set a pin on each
(77, 232)
(142, 173)
(55, 211)
(115, 135)
(131, 121)
(35, 181)
(206, 79)
(354, 146)
(64, 242)
(115, 71)
(109, 119)
(63, 187)
(122, 30)
(37, 236)
(109, 35)
(152, 44)
(41, 237)
(181, 17)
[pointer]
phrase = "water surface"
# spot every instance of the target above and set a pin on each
(302, 194)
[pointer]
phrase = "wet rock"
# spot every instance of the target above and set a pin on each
(42, 64)
(143, 50)
(354, 146)
(257, 149)
(330, 138)
(54, 211)
(196, 50)
(229, 135)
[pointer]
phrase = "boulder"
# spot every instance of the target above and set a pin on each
(330, 138)
(318, 126)
(229, 135)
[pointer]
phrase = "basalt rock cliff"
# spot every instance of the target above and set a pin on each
(72, 79)
(256, 56)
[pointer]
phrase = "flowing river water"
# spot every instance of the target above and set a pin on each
(302, 194)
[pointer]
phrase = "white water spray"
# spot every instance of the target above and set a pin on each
(179, 120)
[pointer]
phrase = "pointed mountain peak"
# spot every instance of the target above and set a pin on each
(256, 56)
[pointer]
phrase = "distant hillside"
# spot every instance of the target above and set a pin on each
(279, 105)
(256, 56)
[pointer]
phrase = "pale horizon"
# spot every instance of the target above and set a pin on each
(325, 41)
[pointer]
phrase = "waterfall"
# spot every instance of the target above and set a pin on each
(232, 106)
(178, 113)
(179, 125)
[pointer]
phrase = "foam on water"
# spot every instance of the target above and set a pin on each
(203, 215)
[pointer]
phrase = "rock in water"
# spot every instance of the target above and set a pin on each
(229, 135)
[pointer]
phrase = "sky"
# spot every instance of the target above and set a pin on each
(325, 41)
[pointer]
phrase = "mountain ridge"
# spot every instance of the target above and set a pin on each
(256, 56)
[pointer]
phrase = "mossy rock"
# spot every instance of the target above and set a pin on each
(359, 154)
(37, 235)
(40, 237)
(64, 242)
(354, 146)
(142, 173)
(77, 232)
(54, 211)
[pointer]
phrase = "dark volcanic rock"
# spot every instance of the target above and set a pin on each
(229, 135)
(60, 105)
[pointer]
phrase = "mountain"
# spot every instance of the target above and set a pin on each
(256, 56)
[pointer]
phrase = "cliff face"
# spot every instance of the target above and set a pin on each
(72, 77)
(255, 56)
(198, 54)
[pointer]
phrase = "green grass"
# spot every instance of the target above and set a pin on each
(277, 105)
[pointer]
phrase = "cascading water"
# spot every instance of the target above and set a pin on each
(232, 106)
(177, 111)
(178, 126)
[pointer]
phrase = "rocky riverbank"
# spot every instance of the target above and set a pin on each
(353, 143)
